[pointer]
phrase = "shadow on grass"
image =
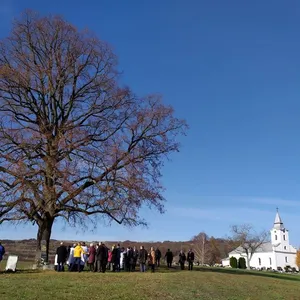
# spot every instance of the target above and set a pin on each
(234, 272)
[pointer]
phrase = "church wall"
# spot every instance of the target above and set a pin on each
(286, 259)
(260, 259)
(269, 260)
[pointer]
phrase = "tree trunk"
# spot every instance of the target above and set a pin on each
(248, 262)
(38, 252)
(203, 250)
(44, 234)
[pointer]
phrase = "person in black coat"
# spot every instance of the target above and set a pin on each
(128, 259)
(135, 257)
(118, 258)
(101, 258)
(143, 254)
(182, 259)
(114, 258)
(62, 256)
(169, 258)
(190, 259)
(157, 257)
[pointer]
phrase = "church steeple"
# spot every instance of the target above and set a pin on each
(278, 224)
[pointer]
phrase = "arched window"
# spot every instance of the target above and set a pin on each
(275, 237)
(270, 260)
(259, 261)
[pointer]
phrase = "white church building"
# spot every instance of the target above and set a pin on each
(274, 254)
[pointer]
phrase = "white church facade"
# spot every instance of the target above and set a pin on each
(274, 254)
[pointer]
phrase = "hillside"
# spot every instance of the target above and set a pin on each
(202, 283)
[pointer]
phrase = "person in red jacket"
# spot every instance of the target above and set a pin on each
(109, 266)
(91, 259)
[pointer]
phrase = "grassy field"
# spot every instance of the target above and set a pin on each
(199, 284)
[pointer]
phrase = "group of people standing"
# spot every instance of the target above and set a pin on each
(99, 258)
(190, 257)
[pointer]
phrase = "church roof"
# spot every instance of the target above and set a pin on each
(278, 224)
(265, 247)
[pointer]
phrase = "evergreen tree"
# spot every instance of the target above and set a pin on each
(233, 262)
(242, 263)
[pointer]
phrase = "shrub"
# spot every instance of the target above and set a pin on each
(233, 262)
(287, 269)
(242, 263)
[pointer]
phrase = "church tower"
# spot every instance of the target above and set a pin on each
(280, 235)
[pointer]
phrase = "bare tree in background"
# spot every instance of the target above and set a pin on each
(248, 240)
(214, 252)
(73, 142)
(201, 247)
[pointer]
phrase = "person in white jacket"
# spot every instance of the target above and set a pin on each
(70, 261)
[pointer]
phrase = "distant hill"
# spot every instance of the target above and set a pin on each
(25, 249)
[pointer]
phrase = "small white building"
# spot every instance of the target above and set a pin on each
(274, 254)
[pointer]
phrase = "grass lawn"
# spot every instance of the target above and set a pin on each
(200, 284)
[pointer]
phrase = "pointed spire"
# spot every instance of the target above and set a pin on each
(278, 224)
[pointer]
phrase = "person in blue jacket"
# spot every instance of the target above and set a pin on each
(2, 251)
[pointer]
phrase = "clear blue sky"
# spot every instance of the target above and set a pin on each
(232, 70)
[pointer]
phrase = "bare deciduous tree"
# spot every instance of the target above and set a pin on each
(73, 142)
(214, 252)
(248, 240)
(201, 247)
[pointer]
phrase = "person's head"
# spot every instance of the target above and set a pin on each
(61, 243)
(91, 244)
(168, 250)
(83, 243)
(190, 250)
(78, 244)
(151, 248)
(74, 245)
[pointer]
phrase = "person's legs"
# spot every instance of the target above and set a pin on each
(60, 266)
(77, 263)
(103, 266)
(98, 266)
(152, 268)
